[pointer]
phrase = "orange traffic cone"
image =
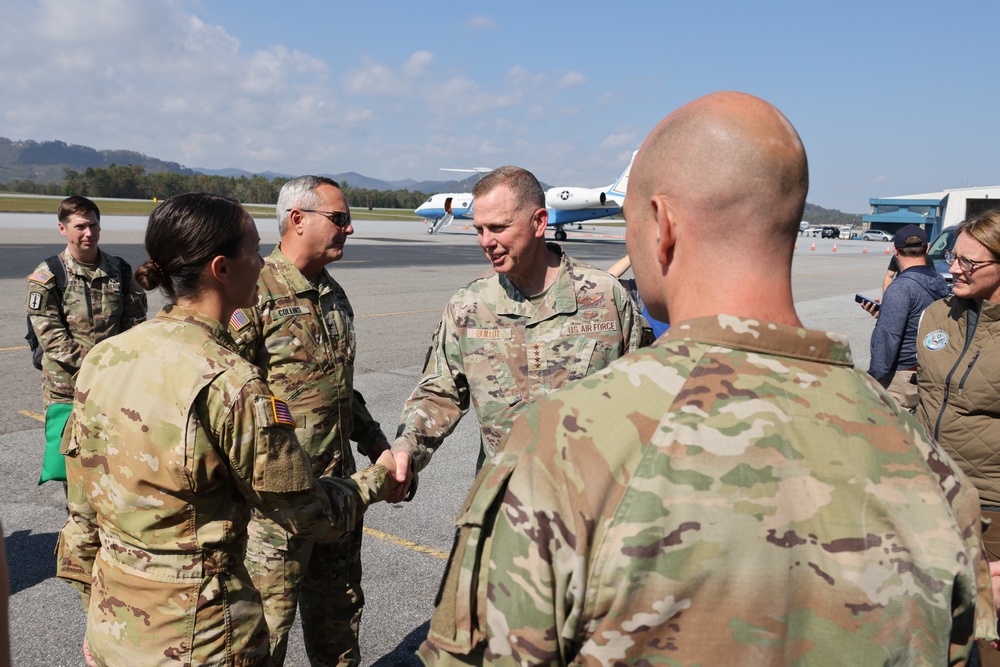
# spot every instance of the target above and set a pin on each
(813, 246)
(864, 251)
(835, 247)
(887, 250)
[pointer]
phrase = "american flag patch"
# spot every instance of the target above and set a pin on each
(282, 414)
(40, 278)
(238, 320)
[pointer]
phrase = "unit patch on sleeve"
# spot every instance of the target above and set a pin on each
(238, 320)
(34, 300)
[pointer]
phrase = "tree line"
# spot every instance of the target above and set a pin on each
(132, 182)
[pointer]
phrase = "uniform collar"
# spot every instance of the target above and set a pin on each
(181, 314)
(560, 298)
(764, 337)
(103, 268)
(291, 274)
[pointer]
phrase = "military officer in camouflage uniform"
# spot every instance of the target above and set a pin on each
(736, 494)
(537, 321)
(173, 438)
(93, 306)
(301, 334)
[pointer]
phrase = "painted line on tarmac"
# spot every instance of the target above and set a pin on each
(405, 543)
(8, 349)
(402, 312)
(33, 415)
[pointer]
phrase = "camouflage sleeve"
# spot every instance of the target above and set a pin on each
(366, 431)
(440, 399)
(636, 332)
(43, 306)
(79, 541)
(247, 330)
(273, 471)
(136, 305)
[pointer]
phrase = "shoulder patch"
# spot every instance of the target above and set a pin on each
(41, 278)
(936, 340)
(282, 414)
(238, 320)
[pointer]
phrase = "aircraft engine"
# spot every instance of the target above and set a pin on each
(570, 199)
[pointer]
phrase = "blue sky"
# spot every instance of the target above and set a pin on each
(890, 98)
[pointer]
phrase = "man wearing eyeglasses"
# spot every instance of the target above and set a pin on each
(536, 322)
(302, 335)
(894, 340)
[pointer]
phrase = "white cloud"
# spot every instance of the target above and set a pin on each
(419, 64)
(571, 80)
(482, 23)
(622, 136)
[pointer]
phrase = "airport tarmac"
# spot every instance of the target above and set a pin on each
(398, 279)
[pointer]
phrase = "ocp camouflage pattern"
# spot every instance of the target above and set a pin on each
(93, 308)
(736, 494)
(496, 351)
(301, 334)
(172, 437)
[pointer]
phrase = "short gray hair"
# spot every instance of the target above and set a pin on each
(300, 192)
(526, 188)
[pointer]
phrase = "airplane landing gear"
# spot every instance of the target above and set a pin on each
(560, 234)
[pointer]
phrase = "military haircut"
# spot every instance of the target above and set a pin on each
(76, 205)
(300, 192)
(526, 188)
(915, 247)
(183, 235)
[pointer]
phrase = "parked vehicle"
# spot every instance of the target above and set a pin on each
(830, 233)
(935, 251)
(876, 235)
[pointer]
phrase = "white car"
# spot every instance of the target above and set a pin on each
(876, 235)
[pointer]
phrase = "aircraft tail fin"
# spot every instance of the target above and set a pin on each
(620, 186)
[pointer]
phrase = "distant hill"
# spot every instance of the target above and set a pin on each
(46, 161)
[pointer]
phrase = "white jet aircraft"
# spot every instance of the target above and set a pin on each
(566, 205)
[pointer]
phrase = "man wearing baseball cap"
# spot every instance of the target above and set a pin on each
(894, 340)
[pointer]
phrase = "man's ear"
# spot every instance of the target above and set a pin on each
(62, 228)
(666, 231)
(541, 220)
(296, 220)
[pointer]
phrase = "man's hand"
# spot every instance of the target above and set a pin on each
(377, 449)
(871, 308)
(87, 657)
(404, 475)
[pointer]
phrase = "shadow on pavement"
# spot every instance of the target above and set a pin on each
(30, 558)
(405, 652)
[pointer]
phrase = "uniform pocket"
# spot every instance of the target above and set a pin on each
(492, 384)
(461, 600)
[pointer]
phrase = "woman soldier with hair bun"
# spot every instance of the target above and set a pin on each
(172, 438)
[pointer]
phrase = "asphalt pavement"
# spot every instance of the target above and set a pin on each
(398, 279)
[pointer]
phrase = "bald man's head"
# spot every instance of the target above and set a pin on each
(731, 160)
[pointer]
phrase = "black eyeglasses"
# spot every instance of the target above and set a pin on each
(965, 263)
(338, 218)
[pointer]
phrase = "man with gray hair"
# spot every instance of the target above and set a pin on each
(538, 321)
(302, 335)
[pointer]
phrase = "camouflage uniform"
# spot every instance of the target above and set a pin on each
(500, 351)
(93, 309)
(302, 336)
(172, 437)
(736, 494)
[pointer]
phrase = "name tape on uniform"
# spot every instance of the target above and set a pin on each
(490, 334)
(289, 311)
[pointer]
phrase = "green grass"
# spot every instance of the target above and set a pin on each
(9, 204)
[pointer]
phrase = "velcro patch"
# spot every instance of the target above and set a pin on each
(238, 320)
(41, 278)
(491, 334)
(282, 414)
(576, 329)
(34, 300)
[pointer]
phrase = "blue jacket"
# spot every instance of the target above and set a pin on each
(894, 340)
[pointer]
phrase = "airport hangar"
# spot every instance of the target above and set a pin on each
(934, 211)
